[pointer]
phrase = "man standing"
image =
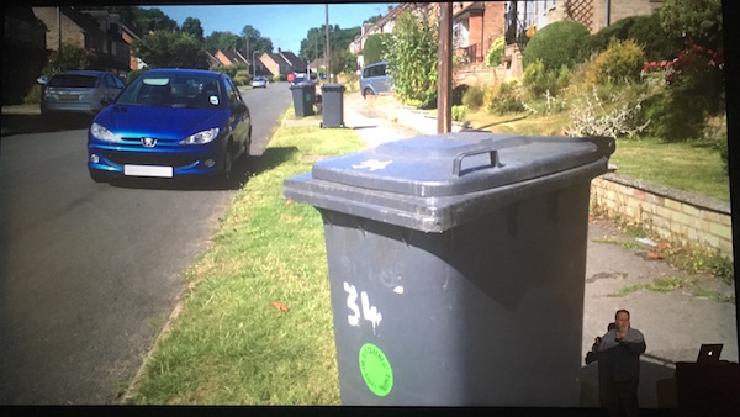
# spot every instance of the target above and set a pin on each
(621, 348)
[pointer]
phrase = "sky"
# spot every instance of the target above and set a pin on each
(285, 25)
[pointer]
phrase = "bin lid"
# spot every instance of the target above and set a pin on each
(332, 87)
(459, 163)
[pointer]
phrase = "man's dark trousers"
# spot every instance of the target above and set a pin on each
(623, 398)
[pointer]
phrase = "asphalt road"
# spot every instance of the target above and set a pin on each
(90, 272)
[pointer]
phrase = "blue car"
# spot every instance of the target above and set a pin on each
(171, 123)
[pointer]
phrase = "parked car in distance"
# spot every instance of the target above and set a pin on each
(79, 91)
(259, 82)
(375, 79)
(171, 123)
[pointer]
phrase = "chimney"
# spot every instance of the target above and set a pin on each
(279, 51)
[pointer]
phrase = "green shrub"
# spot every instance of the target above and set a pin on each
(68, 58)
(473, 98)
(504, 98)
(645, 30)
(242, 77)
(496, 52)
(458, 113)
(376, 47)
(33, 96)
(557, 44)
(622, 61)
(538, 81)
(230, 70)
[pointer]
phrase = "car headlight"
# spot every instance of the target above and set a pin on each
(102, 133)
(202, 137)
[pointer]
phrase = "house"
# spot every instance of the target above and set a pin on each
(213, 62)
(128, 36)
(296, 64)
(99, 34)
(25, 52)
(275, 65)
(386, 24)
(476, 24)
(230, 58)
(532, 15)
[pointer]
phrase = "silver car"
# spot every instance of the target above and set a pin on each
(259, 82)
(375, 79)
(80, 91)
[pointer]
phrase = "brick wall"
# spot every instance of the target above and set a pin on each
(71, 33)
(493, 23)
(475, 35)
(675, 216)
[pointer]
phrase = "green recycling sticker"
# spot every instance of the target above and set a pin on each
(376, 370)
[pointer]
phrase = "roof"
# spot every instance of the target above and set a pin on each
(233, 56)
(298, 63)
(474, 6)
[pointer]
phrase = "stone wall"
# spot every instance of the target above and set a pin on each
(679, 217)
(621, 9)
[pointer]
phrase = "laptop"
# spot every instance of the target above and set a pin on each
(709, 352)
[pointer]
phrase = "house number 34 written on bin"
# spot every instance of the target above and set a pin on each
(369, 313)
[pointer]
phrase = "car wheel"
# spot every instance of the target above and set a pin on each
(228, 165)
(368, 92)
(97, 176)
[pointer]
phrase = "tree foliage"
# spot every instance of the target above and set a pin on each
(153, 20)
(68, 58)
(170, 49)
(413, 59)
(698, 20)
(193, 26)
(314, 44)
(376, 47)
(225, 41)
(646, 30)
(254, 41)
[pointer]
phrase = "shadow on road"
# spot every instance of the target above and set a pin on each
(14, 124)
(242, 170)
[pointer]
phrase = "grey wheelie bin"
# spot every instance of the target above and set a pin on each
(304, 96)
(332, 105)
(457, 267)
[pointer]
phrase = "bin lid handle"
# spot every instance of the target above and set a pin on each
(495, 163)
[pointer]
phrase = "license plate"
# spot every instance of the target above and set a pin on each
(147, 170)
(69, 97)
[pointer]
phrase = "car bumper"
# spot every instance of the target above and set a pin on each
(184, 161)
(87, 108)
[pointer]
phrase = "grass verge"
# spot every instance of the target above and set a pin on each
(695, 167)
(256, 324)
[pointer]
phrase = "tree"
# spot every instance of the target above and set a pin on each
(225, 41)
(152, 20)
(698, 20)
(413, 59)
(376, 47)
(313, 45)
(256, 42)
(342, 60)
(169, 49)
(192, 26)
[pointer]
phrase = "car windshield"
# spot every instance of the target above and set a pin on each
(191, 91)
(73, 81)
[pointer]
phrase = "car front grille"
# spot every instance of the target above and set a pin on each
(133, 158)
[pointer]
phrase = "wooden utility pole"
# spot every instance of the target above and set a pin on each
(444, 87)
(327, 58)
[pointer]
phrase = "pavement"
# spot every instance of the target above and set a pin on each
(675, 323)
